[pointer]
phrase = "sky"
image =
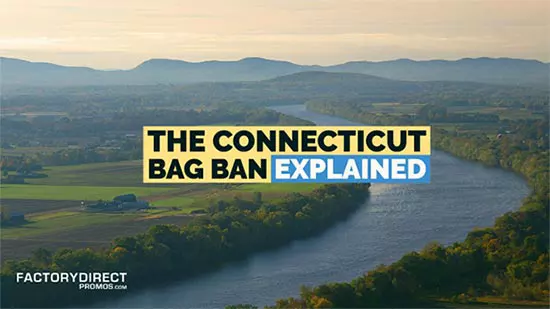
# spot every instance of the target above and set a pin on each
(120, 34)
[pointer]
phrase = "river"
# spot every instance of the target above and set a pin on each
(395, 220)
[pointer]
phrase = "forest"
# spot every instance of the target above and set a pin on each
(507, 261)
(93, 133)
(229, 231)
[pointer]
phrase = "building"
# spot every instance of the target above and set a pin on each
(119, 203)
(17, 217)
(125, 198)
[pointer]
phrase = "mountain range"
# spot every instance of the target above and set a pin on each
(166, 71)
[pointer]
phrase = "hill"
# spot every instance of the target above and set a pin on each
(485, 70)
(167, 71)
(296, 88)
(303, 86)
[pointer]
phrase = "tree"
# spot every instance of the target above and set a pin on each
(257, 198)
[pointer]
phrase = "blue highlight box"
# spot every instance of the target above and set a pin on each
(350, 169)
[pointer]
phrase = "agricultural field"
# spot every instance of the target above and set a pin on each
(19, 151)
(492, 129)
(502, 112)
(80, 235)
(396, 108)
(393, 108)
(119, 174)
(54, 218)
(83, 193)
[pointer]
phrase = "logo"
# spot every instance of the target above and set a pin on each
(85, 281)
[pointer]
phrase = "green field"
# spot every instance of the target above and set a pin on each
(491, 129)
(54, 218)
(106, 180)
(502, 112)
(394, 108)
(84, 193)
(180, 201)
(59, 221)
(119, 174)
(29, 150)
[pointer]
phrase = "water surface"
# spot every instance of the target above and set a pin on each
(395, 220)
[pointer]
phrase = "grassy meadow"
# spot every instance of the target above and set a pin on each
(54, 219)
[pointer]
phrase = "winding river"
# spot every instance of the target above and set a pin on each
(395, 220)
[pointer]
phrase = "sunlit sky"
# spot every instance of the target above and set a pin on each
(122, 33)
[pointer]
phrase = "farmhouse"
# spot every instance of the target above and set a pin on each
(125, 198)
(119, 203)
(17, 217)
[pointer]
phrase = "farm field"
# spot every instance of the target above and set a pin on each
(119, 174)
(393, 108)
(55, 220)
(90, 182)
(29, 150)
(84, 236)
(30, 206)
(83, 193)
(396, 108)
(60, 221)
(502, 112)
(491, 129)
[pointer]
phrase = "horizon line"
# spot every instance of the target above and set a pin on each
(273, 60)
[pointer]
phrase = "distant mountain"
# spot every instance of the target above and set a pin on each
(166, 71)
(21, 72)
(247, 69)
(339, 84)
(486, 70)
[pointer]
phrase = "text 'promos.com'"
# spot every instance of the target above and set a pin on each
(84, 280)
(305, 154)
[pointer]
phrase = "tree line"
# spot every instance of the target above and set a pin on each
(359, 111)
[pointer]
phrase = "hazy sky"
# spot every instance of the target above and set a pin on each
(123, 33)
